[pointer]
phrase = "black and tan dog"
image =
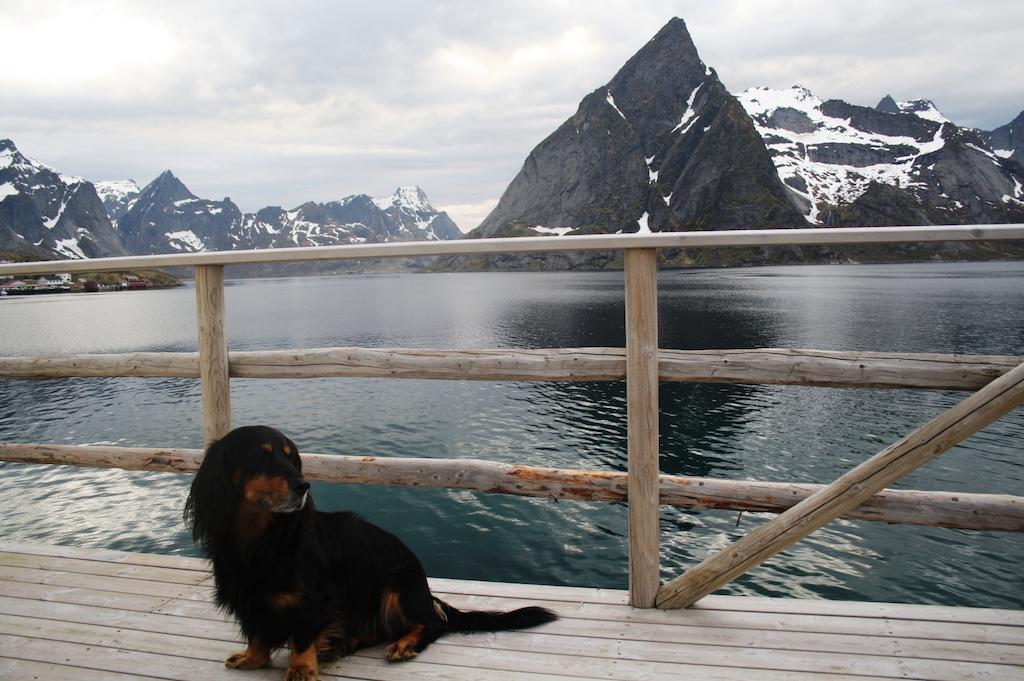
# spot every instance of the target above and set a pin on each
(326, 584)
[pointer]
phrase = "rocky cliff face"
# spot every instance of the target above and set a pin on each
(167, 218)
(662, 145)
(1008, 140)
(48, 214)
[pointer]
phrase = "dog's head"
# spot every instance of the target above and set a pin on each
(253, 466)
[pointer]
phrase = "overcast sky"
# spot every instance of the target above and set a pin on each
(276, 103)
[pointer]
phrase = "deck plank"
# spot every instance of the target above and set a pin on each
(13, 668)
(677, 635)
(69, 612)
(102, 568)
(106, 555)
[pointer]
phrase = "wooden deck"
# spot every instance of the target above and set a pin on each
(85, 614)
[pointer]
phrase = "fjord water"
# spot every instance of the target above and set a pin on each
(755, 432)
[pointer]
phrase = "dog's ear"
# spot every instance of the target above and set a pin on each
(212, 499)
(293, 455)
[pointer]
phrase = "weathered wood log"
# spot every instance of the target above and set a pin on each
(779, 366)
(939, 509)
(851, 490)
(595, 242)
(782, 366)
(213, 352)
(133, 364)
(642, 424)
(556, 364)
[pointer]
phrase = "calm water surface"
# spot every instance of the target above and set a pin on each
(753, 432)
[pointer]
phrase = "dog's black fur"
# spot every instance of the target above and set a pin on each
(326, 584)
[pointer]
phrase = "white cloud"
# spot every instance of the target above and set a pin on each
(275, 104)
(469, 215)
(81, 48)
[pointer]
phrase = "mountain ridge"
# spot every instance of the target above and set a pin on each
(44, 213)
(662, 146)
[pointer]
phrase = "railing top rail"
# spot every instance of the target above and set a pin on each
(600, 242)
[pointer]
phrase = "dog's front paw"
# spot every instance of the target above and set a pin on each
(250, 658)
(400, 651)
(300, 673)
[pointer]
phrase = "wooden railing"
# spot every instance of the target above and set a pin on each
(999, 381)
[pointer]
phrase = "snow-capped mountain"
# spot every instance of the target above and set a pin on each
(48, 214)
(406, 215)
(418, 219)
(922, 108)
(45, 213)
(662, 146)
(117, 196)
(837, 157)
(165, 217)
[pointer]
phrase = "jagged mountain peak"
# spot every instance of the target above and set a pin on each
(167, 177)
(11, 157)
(49, 214)
(662, 146)
(888, 105)
(654, 87)
(672, 41)
(923, 108)
(409, 197)
(166, 187)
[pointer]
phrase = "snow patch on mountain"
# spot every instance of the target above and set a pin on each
(51, 222)
(809, 146)
(118, 197)
(923, 108)
(186, 241)
(689, 116)
(611, 101)
(557, 231)
(70, 249)
(116, 189)
(642, 223)
(410, 198)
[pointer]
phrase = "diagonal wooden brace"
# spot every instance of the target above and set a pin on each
(896, 461)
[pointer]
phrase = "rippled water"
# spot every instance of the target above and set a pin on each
(755, 432)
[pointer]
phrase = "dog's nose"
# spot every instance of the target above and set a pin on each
(299, 486)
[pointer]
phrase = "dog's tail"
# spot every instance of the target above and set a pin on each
(454, 619)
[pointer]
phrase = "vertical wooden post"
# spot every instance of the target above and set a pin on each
(642, 423)
(213, 352)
